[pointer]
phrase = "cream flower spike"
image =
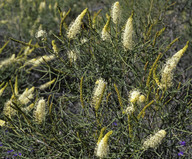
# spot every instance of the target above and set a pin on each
(40, 60)
(102, 148)
(41, 34)
(42, 6)
(98, 90)
(8, 61)
(155, 140)
(26, 96)
(134, 96)
(167, 71)
(8, 110)
(72, 55)
(116, 12)
(128, 34)
(141, 99)
(75, 27)
(130, 109)
(39, 113)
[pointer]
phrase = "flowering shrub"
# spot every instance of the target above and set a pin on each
(99, 73)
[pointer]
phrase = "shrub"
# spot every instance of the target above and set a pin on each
(62, 93)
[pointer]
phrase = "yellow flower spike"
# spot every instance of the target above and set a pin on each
(50, 7)
(44, 86)
(128, 34)
(16, 87)
(105, 32)
(157, 35)
(116, 12)
(29, 108)
(179, 85)
(2, 5)
(26, 44)
(1, 49)
(101, 135)
(2, 84)
(2, 89)
(155, 77)
(102, 149)
(55, 49)
(168, 47)
(148, 33)
(89, 19)
(60, 12)
(63, 21)
(81, 92)
(28, 51)
(143, 110)
(78, 136)
(4, 21)
(50, 109)
(106, 137)
(95, 15)
(13, 95)
(2, 123)
(97, 82)
(146, 65)
(119, 96)
(108, 97)
(160, 32)
(167, 71)
(75, 27)
(130, 127)
(151, 69)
